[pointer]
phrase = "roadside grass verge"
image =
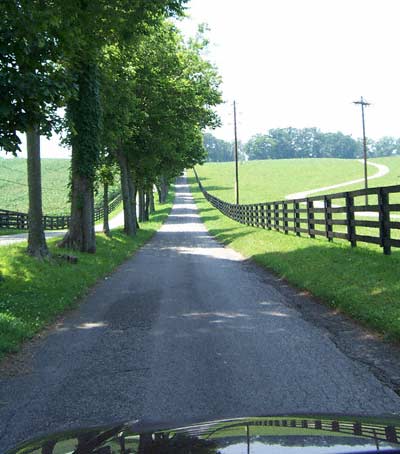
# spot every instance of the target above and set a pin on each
(361, 281)
(34, 293)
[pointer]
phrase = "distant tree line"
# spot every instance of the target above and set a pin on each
(288, 143)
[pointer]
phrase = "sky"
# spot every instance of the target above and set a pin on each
(300, 63)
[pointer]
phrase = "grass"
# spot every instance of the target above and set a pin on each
(34, 293)
(55, 177)
(360, 282)
(270, 180)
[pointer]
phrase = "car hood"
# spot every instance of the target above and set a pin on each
(269, 434)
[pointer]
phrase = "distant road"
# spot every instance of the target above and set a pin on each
(382, 171)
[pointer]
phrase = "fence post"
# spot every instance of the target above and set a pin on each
(285, 218)
(296, 208)
(262, 215)
(384, 220)
(351, 228)
(328, 217)
(269, 221)
(276, 216)
(310, 218)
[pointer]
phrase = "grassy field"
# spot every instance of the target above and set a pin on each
(33, 293)
(262, 181)
(361, 281)
(269, 180)
(55, 175)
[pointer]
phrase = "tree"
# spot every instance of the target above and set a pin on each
(33, 85)
(157, 97)
(386, 146)
(259, 147)
(96, 25)
(106, 176)
(339, 145)
(288, 143)
(217, 150)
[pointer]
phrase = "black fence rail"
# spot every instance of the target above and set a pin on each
(367, 215)
(16, 220)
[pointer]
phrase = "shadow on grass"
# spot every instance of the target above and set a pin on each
(203, 210)
(195, 188)
(217, 188)
(227, 236)
(209, 218)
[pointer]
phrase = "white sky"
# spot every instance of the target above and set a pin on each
(301, 63)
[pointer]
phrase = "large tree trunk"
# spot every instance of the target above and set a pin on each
(158, 187)
(37, 246)
(133, 194)
(147, 205)
(151, 197)
(85, 113)
(106, 227)
(141, 205)
(127, 202)
(81, 234)
(163, 191)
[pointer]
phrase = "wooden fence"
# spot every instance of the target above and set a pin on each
(16, 220)
(366, 215)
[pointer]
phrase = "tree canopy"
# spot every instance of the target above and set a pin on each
(135, 93)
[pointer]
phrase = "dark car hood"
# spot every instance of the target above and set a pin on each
(271, 434)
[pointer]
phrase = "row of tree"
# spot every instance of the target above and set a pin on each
(287, 143)
(136, 98)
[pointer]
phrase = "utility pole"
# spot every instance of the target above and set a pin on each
(236, 155)
(363, 104)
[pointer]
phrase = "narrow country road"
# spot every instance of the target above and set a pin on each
(186, 329)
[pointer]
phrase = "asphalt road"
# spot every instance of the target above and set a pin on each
(186, 329)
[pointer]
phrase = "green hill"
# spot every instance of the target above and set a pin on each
(269, 180)
(55, 177)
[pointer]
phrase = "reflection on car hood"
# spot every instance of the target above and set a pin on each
(272, 434)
